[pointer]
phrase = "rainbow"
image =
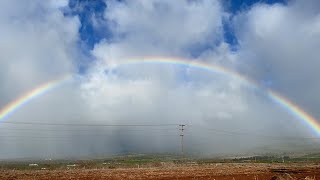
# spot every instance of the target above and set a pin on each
(296, 111)
(283, 102)
(10, 108)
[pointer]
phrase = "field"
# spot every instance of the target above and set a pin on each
(162, 168)
(214, 171)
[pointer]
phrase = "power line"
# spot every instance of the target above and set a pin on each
(191, 128)
(63, 137)
(233, 133)
(95, 133)
(38, 133)
(94, 125)
(80, 130)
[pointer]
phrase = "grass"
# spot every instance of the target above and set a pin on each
(134, 161)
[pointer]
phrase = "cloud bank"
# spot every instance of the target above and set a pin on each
(277, 48)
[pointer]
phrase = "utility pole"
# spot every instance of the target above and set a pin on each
(182, 135)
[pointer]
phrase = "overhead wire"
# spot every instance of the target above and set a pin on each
(254, 135)
(80, 130)
(80, 124)
(190, 128)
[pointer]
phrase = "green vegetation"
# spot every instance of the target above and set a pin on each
(141, 161)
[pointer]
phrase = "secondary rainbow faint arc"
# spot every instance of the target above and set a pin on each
(277, 98)
(27, 97)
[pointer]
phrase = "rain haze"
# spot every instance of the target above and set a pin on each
(95, 78)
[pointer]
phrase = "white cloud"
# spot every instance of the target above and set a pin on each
(172, 94)
(37, 44)
(160, 27)
(163, 28)
(279, 44)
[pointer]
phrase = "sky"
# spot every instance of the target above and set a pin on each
(271, 42)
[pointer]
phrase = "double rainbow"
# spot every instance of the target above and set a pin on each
(285, 103)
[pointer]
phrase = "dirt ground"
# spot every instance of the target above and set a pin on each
(224, 171)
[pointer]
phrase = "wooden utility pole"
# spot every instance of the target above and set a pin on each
(182, 135)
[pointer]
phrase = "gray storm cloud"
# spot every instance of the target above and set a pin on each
(211, 104)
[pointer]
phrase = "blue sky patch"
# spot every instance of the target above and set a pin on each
(90, 12)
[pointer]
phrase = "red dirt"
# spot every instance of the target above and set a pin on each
(224, 171)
